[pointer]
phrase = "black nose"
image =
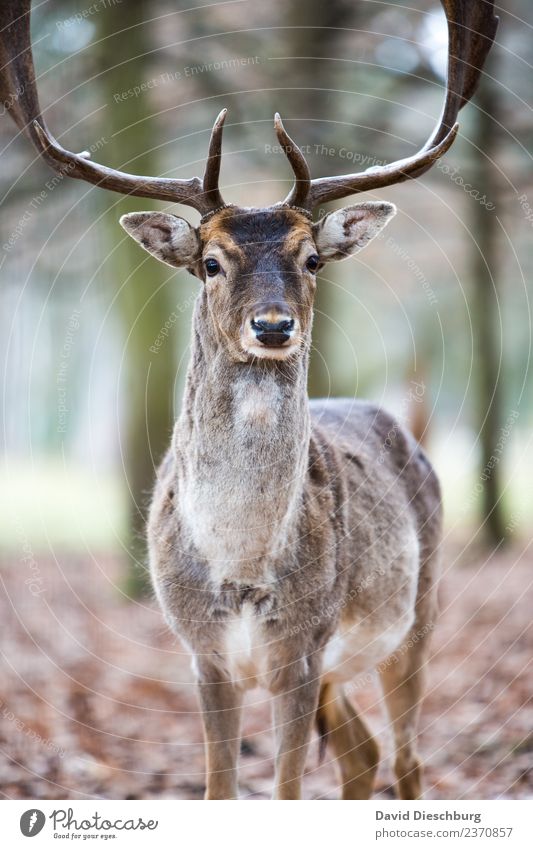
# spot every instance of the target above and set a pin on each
(272, 333)
(261, 325)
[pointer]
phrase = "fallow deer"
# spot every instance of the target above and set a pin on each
(293, 544)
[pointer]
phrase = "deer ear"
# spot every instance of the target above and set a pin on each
(344, 232)
(170, 239)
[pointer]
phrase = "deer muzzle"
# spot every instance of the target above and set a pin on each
(275, 333)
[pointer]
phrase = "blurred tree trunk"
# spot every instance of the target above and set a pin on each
(319, 40)
(148, 412)
(485, 307)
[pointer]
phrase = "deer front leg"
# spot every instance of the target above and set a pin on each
(221, 705)
(295, 705)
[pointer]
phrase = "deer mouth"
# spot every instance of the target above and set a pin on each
(273, 349)
(270, 351)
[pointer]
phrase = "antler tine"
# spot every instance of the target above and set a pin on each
(471, 29)
(212, 166)
(302, 176)
(19, 94)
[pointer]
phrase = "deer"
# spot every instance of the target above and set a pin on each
(293, 544)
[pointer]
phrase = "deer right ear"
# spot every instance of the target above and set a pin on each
(170, 239)
(343, 233)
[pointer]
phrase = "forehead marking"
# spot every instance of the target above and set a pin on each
(236, 233)
(295, 239)
(219, 238)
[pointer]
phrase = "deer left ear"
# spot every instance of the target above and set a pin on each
(167, 237)
(344, 232)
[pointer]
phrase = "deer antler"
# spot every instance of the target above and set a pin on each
(296, 158)
(471, 29)
(18, 92)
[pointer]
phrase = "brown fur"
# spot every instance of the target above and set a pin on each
(292, 544)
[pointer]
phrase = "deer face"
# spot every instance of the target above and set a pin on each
(259, 267)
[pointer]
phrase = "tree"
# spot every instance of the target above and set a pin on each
(144, 301)
(314, 36)
(485, 307)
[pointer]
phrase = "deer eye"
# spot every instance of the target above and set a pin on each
(312, 263)
(212, 266)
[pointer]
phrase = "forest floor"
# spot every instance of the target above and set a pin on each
(97, 700)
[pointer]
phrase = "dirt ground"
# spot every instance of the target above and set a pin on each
(97, 701)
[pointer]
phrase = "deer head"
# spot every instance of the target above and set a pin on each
(258, 266)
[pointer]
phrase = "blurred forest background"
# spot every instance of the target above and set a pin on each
(433, 320)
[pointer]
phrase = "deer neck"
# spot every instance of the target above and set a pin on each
(241, 444)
